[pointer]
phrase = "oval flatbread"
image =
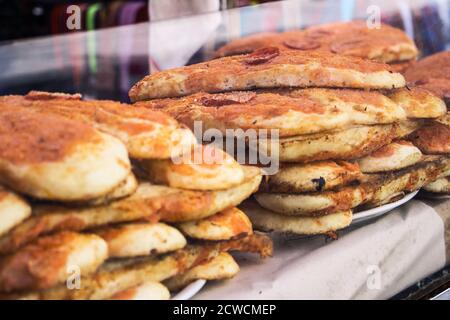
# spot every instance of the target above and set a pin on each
(394, 156)
(219, 268)
(311, 177)
(141, 239)
(266, 220)
(384, 44)
(54, 158)
(204, 168)
(48, 261)
(288, 111)
(267, 68)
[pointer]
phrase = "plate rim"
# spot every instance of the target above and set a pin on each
(374, 212)
(190, 290)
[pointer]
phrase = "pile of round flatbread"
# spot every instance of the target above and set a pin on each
(431, 73)
(345, 123)
(102, 200)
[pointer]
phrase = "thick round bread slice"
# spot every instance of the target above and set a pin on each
(266, 220)
(290, 111)
(219, 268)
(48, 261)
(314, 204)
(203, 168)
(146, 134)
(187, 205)
(311, 177)
(385, 186)
(419, 103)
(126, 188)
(267, 68)
(384, 44)
(225, 225)
(432, 138)
(431, 73)
(149, 290)
(441, 185)
(150, 202)
(445, 119)
(401, 66)
(344, 144)
(54, 158)
(13, 210)
(141, 239)
(394, 156)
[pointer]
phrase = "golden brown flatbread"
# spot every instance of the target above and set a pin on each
(267, 68)
(118, 275)
(346, 144)
(432, 138)
(266, 220)
(50, 157)
(205, 167)
(384, 44)
(432, 73)
(394, 156)
(149, 202)
(13, 210)
(45, 263)
(147, 134)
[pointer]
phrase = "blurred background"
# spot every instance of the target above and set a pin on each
(101, 48)
(33, 18)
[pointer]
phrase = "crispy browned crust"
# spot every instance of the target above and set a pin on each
(418, 102)
(27, 137)
(117, 276)
(249, 44)
(341, 199)
(267, 68)
(432, 138)
(233, 224)
(372, 189)
(342, 174)
(291, 111)
(146, 133)
(402, 66)
(389, 149)
(42, 264)
(386, 44)
(353, 147)
(151, 203)
(386, 185)
(432, 73)
(48, 219)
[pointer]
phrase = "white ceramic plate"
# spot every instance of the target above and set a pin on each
(365, 215)
(189, 291)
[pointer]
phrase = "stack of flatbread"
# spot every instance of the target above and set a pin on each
(381, 43)
(76, 223)
(432, 74)
(339, 119)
